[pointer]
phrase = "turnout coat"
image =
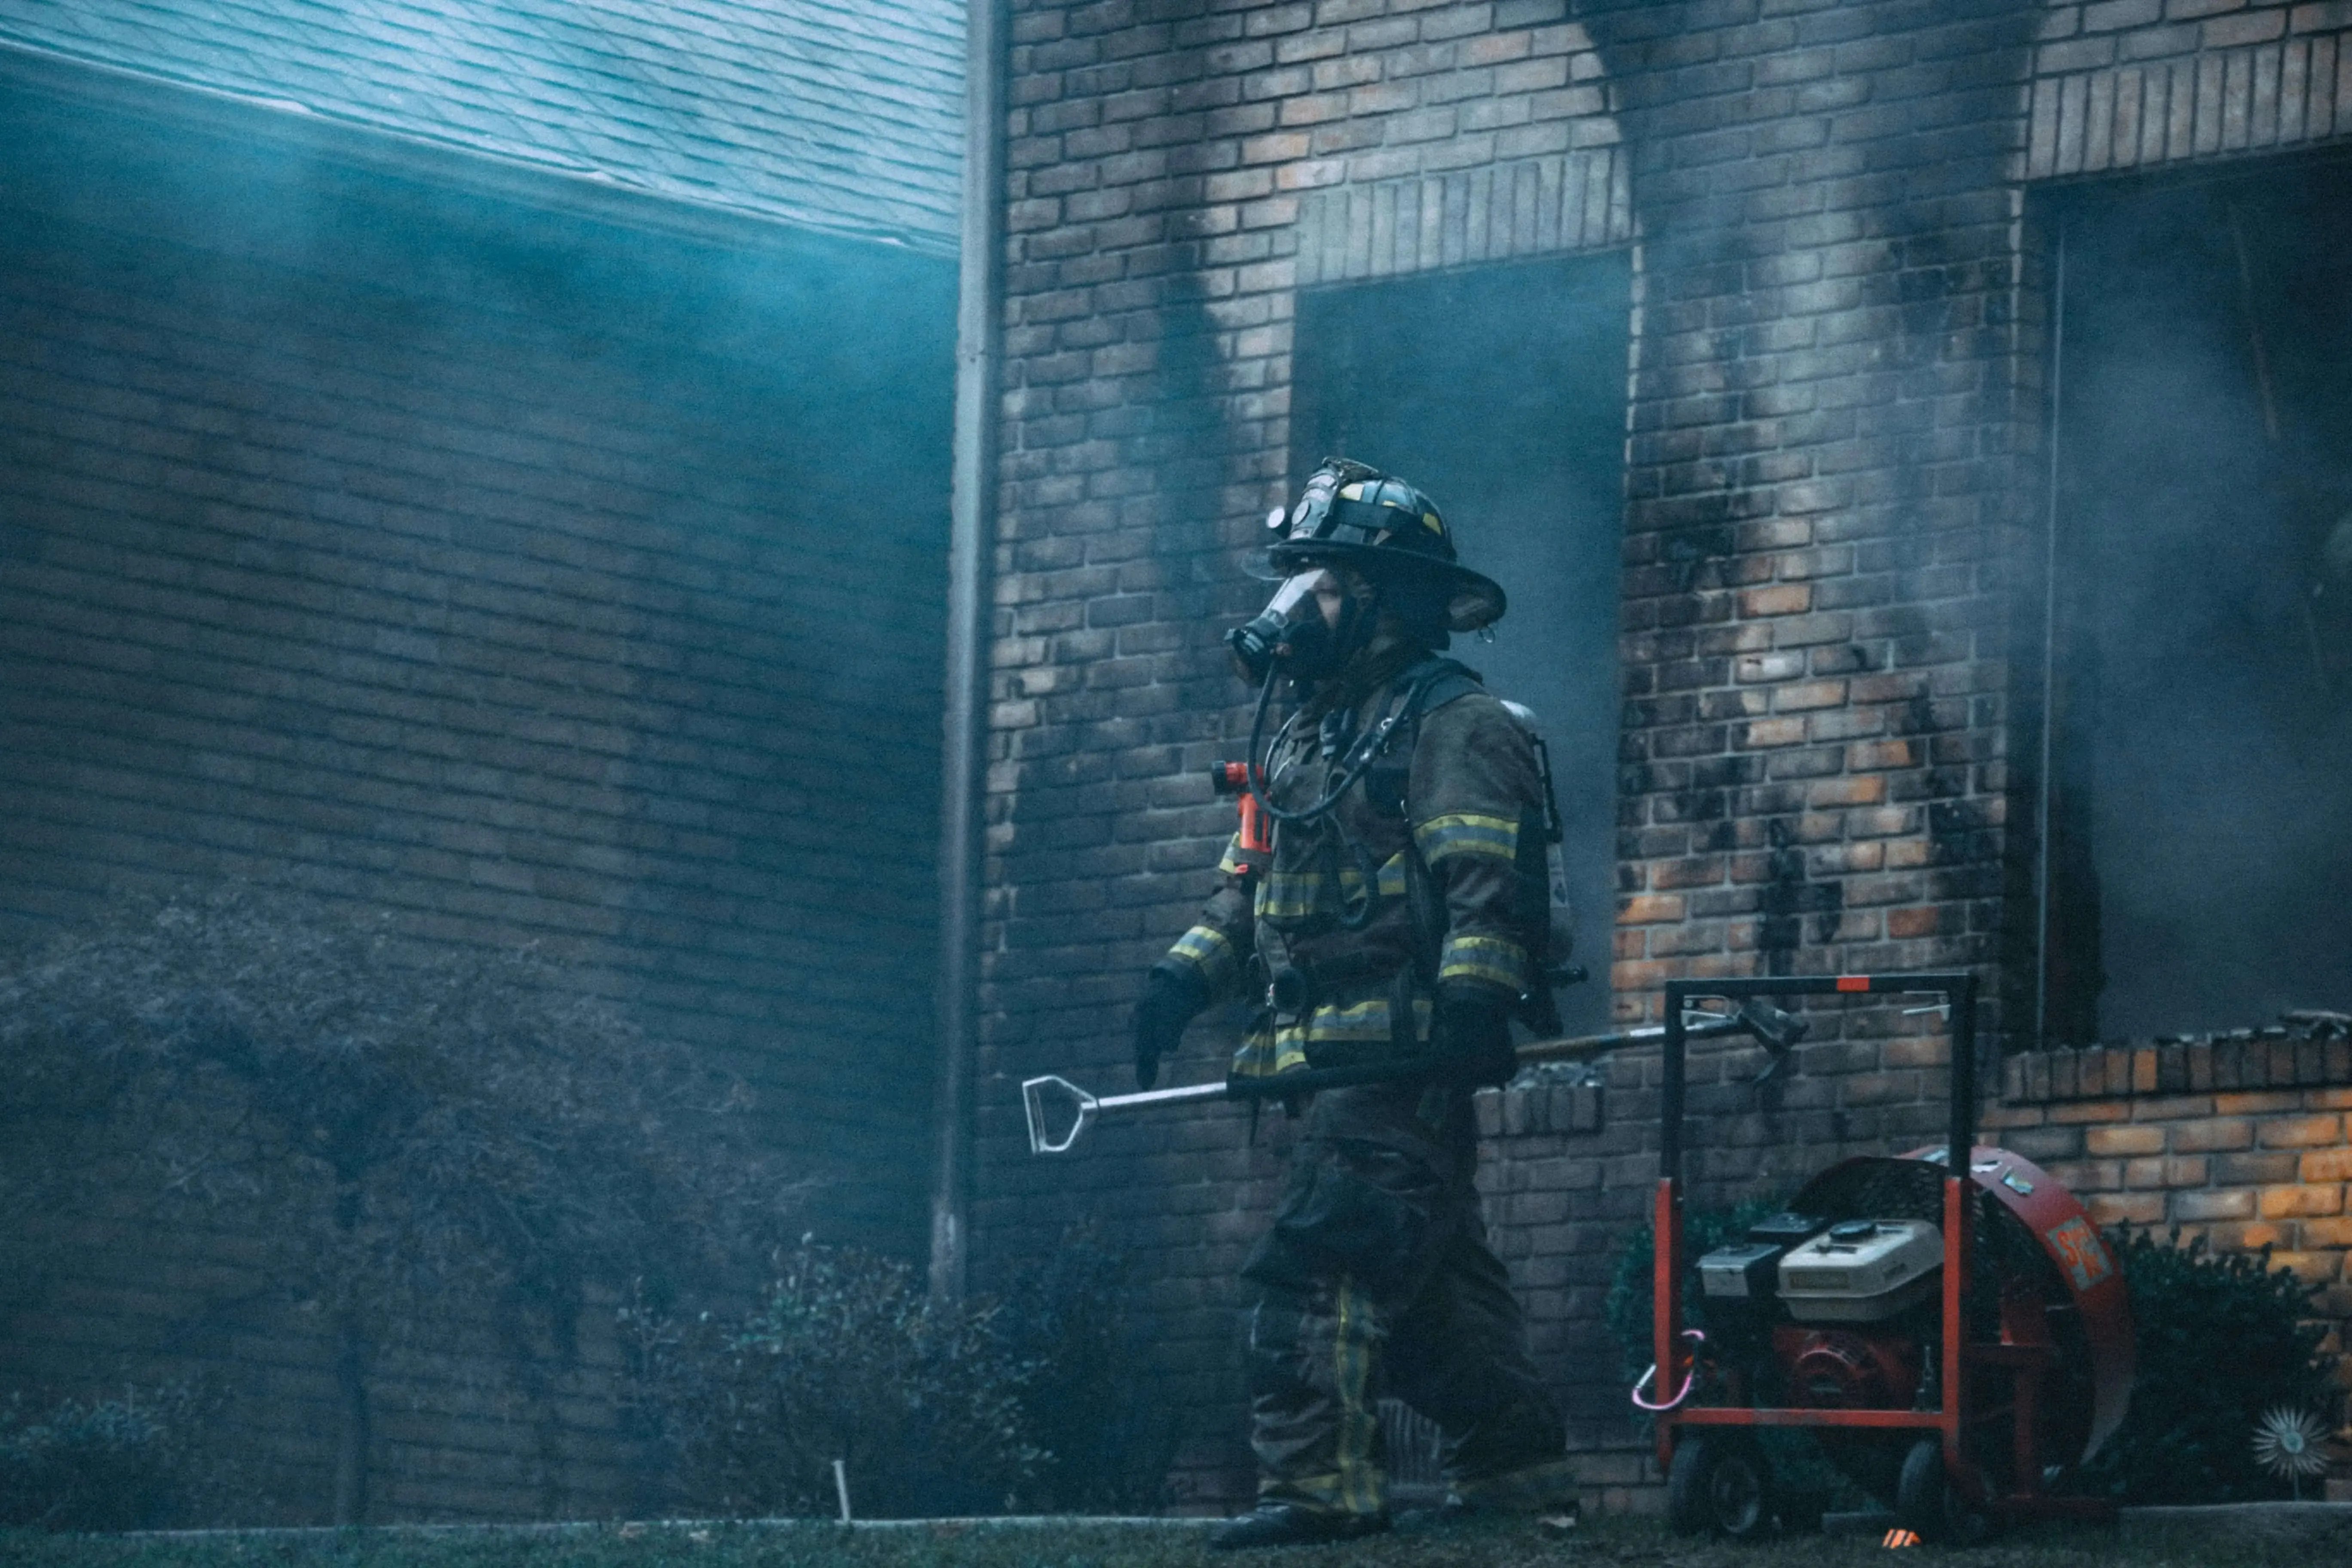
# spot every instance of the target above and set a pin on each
(1428, 869)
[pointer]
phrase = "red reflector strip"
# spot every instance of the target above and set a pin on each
(1854, 982)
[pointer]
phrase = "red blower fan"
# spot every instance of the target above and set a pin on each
(1957, 1339)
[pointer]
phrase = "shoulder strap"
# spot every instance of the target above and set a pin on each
(1432, 683)
(1437, 680)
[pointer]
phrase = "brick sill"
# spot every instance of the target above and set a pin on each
(1538, 1109)
(2255, 1060)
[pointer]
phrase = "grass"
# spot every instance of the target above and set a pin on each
(1609, 1543)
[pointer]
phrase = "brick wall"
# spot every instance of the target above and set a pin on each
(1831, 561)
(2134, 83)
(530, 578)
(2240, 1142)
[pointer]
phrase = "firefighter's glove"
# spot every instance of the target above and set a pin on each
(1470, 1035)
(1171, 996)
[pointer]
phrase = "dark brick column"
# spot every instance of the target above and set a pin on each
(1825, 492)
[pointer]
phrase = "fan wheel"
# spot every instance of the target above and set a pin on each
(1720, 1484)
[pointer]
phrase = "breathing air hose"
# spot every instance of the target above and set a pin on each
(1363, 754)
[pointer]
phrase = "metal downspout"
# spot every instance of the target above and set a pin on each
(969, 520)
(2046, 786)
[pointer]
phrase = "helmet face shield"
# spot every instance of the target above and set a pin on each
(1307, 517)
(1304, 522)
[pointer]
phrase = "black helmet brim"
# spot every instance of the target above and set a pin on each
(1475, 600)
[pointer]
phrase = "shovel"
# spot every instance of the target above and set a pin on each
(1049, 1101)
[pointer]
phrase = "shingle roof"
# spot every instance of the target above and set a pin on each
(840, 114)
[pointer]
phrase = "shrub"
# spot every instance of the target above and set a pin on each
(103, 1464)
(847, 1358)
(1627, 1310)
(397, 1137)
(1030, 1400)
(2222, 1340)
(1107, 1447)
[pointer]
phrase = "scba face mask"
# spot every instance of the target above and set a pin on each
(1291, 635)
(1291, 631)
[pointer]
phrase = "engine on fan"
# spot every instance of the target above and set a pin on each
(1844, 1288)
(1840, 1369)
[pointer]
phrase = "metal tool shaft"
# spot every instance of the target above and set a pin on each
(1778, 1030)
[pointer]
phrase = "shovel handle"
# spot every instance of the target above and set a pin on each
(1586, 1046)
(1041, 1095)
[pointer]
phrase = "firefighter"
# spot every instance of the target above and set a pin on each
(1402, 912)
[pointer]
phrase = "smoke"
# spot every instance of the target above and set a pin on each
(529, 569)
(2204, 726)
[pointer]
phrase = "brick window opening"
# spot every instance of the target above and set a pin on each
(2197, 772)
(1500, 391)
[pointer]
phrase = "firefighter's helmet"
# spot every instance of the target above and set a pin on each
(1353, 515)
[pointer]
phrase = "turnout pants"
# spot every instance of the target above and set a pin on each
(1376, 1280)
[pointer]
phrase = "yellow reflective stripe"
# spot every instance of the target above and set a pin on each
(1264, 1053)
(1467, 833)
(1208, 950)
(1254, 1060)
(1282, 1047)
(1496, 960)
(1367, 1020)
(1388, 882)
(1292, 895)
(1295, 895)
(1239, 862)
(1361, 1477)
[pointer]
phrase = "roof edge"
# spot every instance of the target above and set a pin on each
(549, 184)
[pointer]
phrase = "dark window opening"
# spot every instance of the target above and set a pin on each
(2199, 871)
(1501, 393)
